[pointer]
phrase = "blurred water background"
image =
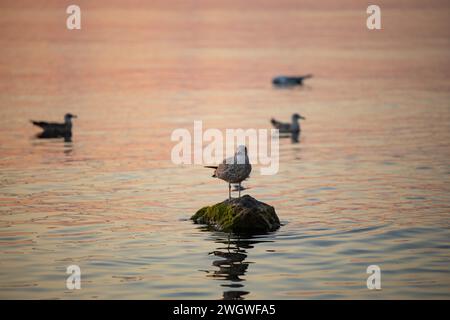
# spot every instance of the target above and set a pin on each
(368, 183)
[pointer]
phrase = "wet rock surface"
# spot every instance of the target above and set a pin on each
(239, 215)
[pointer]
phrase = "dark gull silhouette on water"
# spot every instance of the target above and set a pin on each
(293, 127)
(56, 130)
(285, 81)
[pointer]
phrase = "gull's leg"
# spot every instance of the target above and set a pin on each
(229, 190)
(239, 189)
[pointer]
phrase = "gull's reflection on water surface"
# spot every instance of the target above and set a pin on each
(232, 264)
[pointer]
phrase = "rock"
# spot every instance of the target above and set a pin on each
(239, 215)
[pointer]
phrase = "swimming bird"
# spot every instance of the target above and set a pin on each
(293, 127)
(290, 80)
(56, 130)
(234, 169)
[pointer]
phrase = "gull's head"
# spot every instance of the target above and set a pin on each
(296, 116)
(69, 117)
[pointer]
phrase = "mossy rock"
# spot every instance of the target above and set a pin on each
(239, 215)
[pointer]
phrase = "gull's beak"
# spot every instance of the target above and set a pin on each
(74, 116)
(303, 118)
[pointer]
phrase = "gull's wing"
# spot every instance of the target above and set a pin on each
(48, 125)
(41, 124)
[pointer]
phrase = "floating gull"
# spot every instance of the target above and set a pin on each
(234, 169)
(290, 80)
(293, 127)
(56, 130)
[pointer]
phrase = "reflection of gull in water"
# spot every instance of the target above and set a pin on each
(234, 169)
(56, 130)
(288, 127)
(231, 268)
(231, 265)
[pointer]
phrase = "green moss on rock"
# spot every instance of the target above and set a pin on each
(239, 215)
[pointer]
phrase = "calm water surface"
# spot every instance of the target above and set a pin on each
(369, 182)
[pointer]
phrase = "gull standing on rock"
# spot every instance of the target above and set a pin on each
(234, 169)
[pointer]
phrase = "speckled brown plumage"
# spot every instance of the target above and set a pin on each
(234, 169)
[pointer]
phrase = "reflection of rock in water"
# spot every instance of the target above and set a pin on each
(232, 266)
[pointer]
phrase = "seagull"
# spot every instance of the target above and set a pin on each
(56, 130)
(234, 169)
(290, 80)
(293, 127)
